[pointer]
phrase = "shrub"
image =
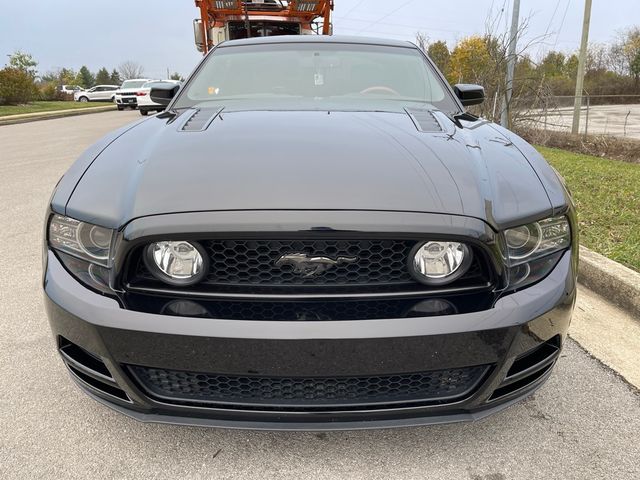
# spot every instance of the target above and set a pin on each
(49, 91)
(16, 86)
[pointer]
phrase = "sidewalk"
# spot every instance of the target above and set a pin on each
(32, 117)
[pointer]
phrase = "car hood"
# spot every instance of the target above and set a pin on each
(209, 160)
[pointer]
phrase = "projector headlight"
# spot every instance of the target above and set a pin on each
(80, 239)
(439, 263)
(83, 248)
(177, 263)
(534, 249)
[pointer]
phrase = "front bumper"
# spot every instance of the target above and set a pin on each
(518, 324)
(126, 101)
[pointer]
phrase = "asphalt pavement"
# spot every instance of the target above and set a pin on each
(583, 424)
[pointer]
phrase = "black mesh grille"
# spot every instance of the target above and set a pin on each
(235, 262)
(359, 266)
(441, 385)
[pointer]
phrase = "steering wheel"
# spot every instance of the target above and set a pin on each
(378, 89)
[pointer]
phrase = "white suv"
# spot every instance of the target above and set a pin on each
(99, 93)
(126, 94)
(145, 104)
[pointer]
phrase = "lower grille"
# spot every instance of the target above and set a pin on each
(308, 392)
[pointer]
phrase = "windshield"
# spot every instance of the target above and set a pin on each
(331, 75)
(133, 83)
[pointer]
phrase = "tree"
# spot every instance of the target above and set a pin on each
(24, 62)
(16, 86)
(114, 78)
(129, 70)
(102, 77)
(439, 53)
(67, 76)
(470, 61)
(422, 41)
(85, 78)
(625, 55)
(176, 76)
(553, 64)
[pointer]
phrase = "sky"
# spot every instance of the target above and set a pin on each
(159, 35)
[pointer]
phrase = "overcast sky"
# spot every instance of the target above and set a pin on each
(159, 33)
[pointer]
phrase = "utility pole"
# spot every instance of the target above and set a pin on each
(511, 64)
(582, 60)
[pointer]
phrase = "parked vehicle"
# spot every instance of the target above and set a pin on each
(315, 234)
(69, 89)
(145, 103)
(99, 93)
(126, 94)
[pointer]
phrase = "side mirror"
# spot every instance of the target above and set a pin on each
(469, 94)
(163, 94)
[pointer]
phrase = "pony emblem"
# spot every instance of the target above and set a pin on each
(309, 266)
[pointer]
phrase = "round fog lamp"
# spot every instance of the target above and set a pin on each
(439, 263)
(177, 263)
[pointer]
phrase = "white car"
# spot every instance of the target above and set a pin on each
(99, 93)
(126, 94)
(69, 89)
(145, 104)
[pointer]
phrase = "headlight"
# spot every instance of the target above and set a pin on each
(84, 249)
(534, 249)
(177, 262)
(439, 263)
(80, 239)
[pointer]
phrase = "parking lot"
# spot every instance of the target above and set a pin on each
(583, 423)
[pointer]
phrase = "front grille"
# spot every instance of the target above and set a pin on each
(360, 266)
(127, 94)
(191, 387)
(237, 262)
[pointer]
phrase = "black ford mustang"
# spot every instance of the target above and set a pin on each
(313, 235)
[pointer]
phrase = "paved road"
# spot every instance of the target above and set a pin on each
(616, 120)
(583, 424)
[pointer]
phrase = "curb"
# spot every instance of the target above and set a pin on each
(611, 280)
(33, 117)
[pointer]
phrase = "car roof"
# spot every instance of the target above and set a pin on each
(318, 39)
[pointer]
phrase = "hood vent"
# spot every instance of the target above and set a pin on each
(424, 120)
(200, 120)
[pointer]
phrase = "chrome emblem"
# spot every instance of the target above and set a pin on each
(310, 266)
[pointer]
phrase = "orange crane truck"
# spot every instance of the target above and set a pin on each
(222, 20)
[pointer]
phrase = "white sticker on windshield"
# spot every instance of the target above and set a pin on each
(319, 79)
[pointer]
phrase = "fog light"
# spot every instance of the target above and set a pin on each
(433, 307)
(439, 263)
(177, 263)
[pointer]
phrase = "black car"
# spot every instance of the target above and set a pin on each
(314, 235)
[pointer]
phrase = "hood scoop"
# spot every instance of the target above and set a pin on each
(424, 120)
(200, 119)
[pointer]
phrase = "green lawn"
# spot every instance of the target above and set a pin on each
(607, 194)
(37, 107)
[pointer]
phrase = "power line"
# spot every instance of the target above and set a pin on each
(395, 25)
(386, 15)
(552, 18)
(564, 17)
(356, 6)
